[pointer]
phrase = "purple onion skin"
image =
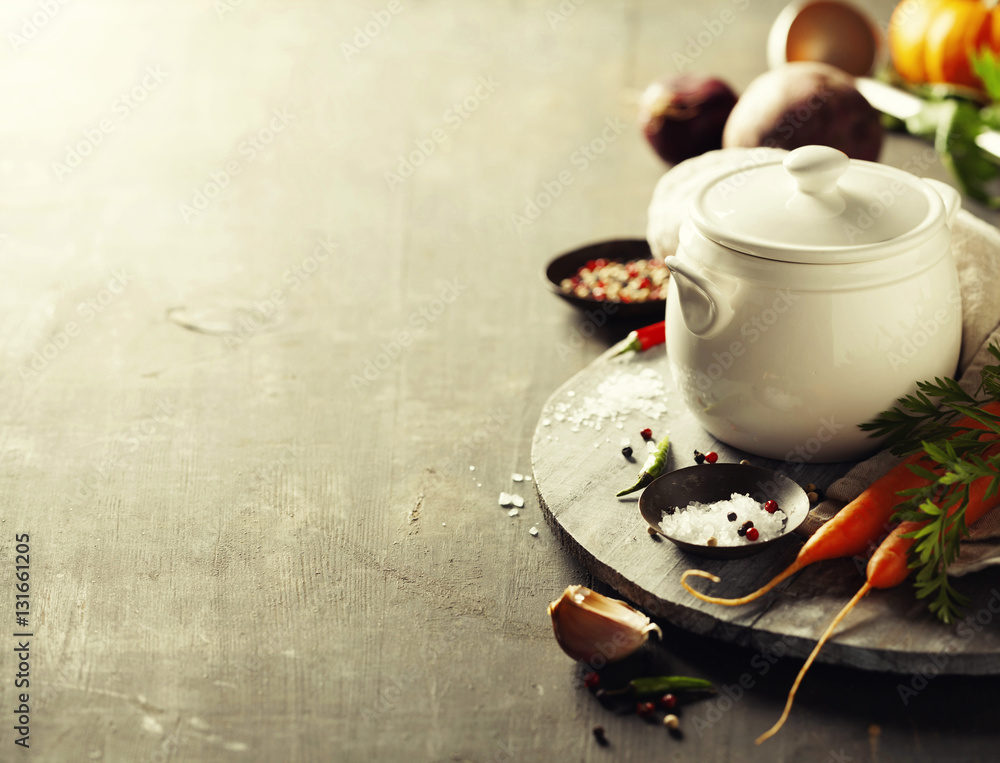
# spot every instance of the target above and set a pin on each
(684, 115)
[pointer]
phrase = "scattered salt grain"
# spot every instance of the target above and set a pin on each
(571, 393)
(472, 468)
(505, 499)
(512, 513)
(517, 501)
(479, 484)
(533, 531)
(527, 478)
(546, 422)
(517, 477)
(626, 442)
(699, 522)
(621, 394)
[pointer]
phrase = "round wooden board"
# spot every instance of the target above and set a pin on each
(577, 474)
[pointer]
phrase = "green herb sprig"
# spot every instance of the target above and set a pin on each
(960, 457)
(953, 117)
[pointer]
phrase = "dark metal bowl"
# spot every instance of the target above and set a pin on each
(619, 250)
(717, 482)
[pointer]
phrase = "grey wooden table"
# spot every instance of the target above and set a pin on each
(273, 341)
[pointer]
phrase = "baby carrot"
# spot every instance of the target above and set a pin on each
(888, 567)
(852, 530)
(848, 533)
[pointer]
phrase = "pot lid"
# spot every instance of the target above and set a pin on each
(818, 206)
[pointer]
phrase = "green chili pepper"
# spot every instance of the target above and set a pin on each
(652, 468)
(643, 687)
(663, 684)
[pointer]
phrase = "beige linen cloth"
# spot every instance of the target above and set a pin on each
(976, 248)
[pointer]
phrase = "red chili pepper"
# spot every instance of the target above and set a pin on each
(646, 337)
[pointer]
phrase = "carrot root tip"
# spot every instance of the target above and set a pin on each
(700, 574)
(809, 661)
(795, 567)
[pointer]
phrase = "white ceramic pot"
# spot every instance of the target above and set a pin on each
(808, 294)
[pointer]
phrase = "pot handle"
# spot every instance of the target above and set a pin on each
(705, 309)
(952, 199)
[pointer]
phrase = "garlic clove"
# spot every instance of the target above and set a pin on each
(596, 629)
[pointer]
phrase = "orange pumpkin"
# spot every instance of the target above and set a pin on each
(930, 40)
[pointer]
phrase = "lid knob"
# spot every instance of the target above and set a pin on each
(816, 171)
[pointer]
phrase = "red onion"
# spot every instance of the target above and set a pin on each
(684, 115)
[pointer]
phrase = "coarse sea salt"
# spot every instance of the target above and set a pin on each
(699, 522)
(517, 500)
(505, 499)
(621, 394)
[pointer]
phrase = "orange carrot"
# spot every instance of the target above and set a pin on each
(852, 530)
(888, 567)
(848, 533)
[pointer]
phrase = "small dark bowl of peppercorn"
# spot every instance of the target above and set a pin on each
(710, 483)
(628, 294)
